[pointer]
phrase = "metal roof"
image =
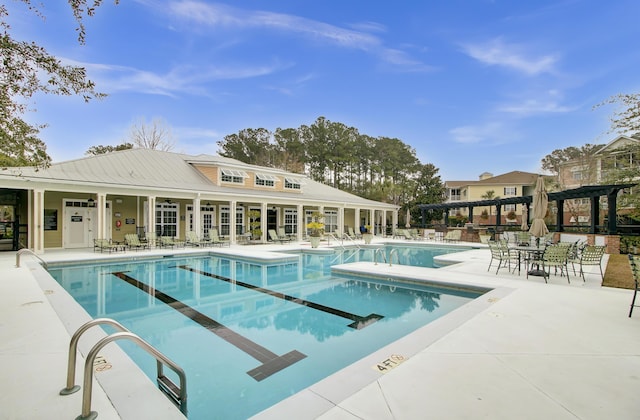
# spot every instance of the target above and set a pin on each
(142, 170)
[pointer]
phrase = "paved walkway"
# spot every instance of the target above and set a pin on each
(525, 350)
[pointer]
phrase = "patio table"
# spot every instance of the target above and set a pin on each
(529, 253)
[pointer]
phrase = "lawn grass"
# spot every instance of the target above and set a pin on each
(618, 272)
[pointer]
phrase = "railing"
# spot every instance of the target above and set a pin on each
(384, 256)
(375, 255)
(177, 394)
(30, 252)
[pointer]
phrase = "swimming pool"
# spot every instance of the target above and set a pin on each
(228, 322)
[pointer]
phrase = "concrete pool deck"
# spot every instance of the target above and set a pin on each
(526, 350)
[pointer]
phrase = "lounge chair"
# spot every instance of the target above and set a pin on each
(167, 241)
(283, 234)
(453, 236)
(133, 242)
(193, 239)
(273, 235)
(152, 239)
(406, 234)
(106, 245)
(352, 234)
(215, 238)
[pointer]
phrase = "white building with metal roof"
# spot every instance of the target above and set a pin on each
(69, 204)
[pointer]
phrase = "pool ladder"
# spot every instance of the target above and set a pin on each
(384, 256)
(30, 252)
(177, 394)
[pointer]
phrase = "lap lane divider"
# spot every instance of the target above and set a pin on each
(271, 362)
(358, 323)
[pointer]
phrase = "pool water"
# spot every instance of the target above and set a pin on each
(249, 335)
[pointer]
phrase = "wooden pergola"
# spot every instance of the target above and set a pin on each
(593, 192)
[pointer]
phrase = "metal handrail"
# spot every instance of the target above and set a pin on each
(375, 255)
(177, 394)
(394, 251)
(73, 345)
(27, 251)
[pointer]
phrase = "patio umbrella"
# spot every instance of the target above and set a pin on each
(540, 202)
(408, 218)
(525, 218)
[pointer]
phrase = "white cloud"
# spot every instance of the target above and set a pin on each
(498, 53)
(360, 38)
(533, 107)
(182, 79)
(492, 133)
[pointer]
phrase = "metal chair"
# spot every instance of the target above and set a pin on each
(501, 253)
(589, 255)
(634, 262)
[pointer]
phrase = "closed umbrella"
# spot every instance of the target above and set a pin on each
(525, 218)
(408, 218)
(540, 202)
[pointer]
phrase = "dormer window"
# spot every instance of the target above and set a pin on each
(292, 183)
(234, 176)
(266, 180)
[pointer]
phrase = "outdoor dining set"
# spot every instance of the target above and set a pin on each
(541, 256)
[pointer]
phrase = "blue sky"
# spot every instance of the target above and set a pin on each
(472, 86)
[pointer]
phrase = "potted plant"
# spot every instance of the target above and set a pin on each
(367, 235)
(316, 228)
(254, 224)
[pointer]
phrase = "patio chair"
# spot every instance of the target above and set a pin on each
(406, 234)
(273, 235)
(501, 253)
(556, 256)
(283, 234)
(415, 235)
(634, 262)
(215, 238)
(523, 238)
(453, 236)
(133, 242)
(106, 245)
(152, 239)
(167, 241)
(353, 234)
(589, 255)
(192, 239)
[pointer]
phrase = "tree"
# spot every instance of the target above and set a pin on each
(429, 188)
(155, 135)
(581, 157)
(100, 149)
(490, 195)
(627, 118)
(251, 145)
(26, 70)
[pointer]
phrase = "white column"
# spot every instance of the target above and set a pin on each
(197, 226)
(340, 222)
(232, 221)
(356, 221)
(101, 210)
(394, 220)
(263, 222)
(151, 213)
(301, 223)
(372, 220)
(38, 221)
